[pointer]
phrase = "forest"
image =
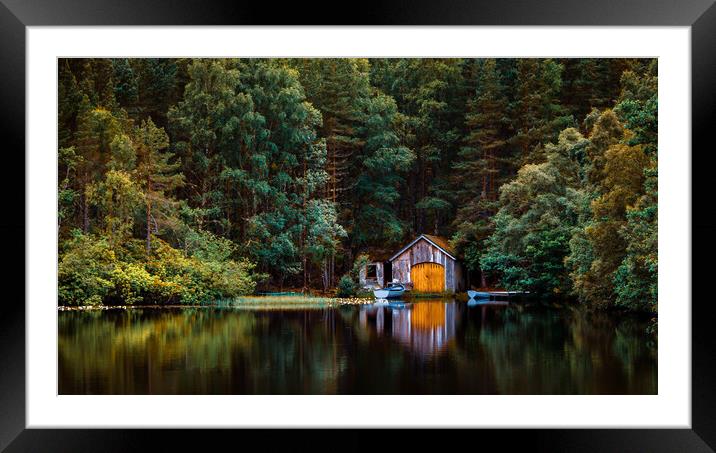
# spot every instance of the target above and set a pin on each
(189, 180)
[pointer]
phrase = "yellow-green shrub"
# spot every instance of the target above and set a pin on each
(91, 272)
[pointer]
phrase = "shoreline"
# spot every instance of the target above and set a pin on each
(247, 302)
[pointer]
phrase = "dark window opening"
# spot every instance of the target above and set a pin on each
(388, 271)
(371, 271)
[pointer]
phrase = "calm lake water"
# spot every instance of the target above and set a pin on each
(402, 348)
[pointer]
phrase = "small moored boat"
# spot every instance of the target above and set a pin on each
(392, 290)
(494, 295)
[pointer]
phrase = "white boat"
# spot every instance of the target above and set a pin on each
(392, 290)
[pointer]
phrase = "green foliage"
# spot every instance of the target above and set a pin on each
(254, 164)
(208, 247)
(613, 256)
(192, 179)
(84, 271)
(69, 98)
(359, 264)
(156, 80)
(92, 271)
(67, 196)
(480, 163)
(204, 276)
(429, 94)
(616, 179)
(349, 284)
(381, 175)
(638, 107)
(535, 221)
(537, 113)
(205, 125)
(158, 177)
(126, 87)
(636, 279)
(323, 232)
(346, 287)
(117, 198)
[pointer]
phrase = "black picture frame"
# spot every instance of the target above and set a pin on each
(16, 15)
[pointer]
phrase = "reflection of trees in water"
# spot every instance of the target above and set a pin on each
(567, 351)
(423, 347)
(307, 356)
(148, 351)
(199, 351)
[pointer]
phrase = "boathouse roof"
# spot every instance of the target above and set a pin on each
(438, 241)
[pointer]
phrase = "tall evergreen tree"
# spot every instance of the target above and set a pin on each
(288, 154)
(616, 179)
(340, 89)
(95, 131)
(208, 127)
(157, 175)
(126, 86)
(380, 177)
(481, 165)
(636, 280)
(538, 212)
(537, 115)
(430, 94)
(156, 87)
(69, 101)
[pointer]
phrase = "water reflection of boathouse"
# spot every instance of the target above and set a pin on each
(425, 327)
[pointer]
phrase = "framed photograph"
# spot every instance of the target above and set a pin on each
(479, 216)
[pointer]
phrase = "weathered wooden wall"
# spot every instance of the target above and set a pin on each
(459, 277)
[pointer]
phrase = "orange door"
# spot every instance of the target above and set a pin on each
(428, 278)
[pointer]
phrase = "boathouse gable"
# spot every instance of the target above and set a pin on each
(428, 264)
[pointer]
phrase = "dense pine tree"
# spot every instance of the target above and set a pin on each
(380, 177)
(537, 114)
(157, 175)
(482, 164)
(537, 215)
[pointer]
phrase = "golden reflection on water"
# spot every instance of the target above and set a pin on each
(428, 315)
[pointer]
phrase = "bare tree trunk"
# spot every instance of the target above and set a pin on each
(149, 227)
(149, 216)
(305, 276)
(85, 214)
(303, 234)
(421, 212)
(203, 201)
(331, 275)
(485, 169)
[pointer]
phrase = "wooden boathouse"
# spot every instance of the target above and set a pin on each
(428, 264)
